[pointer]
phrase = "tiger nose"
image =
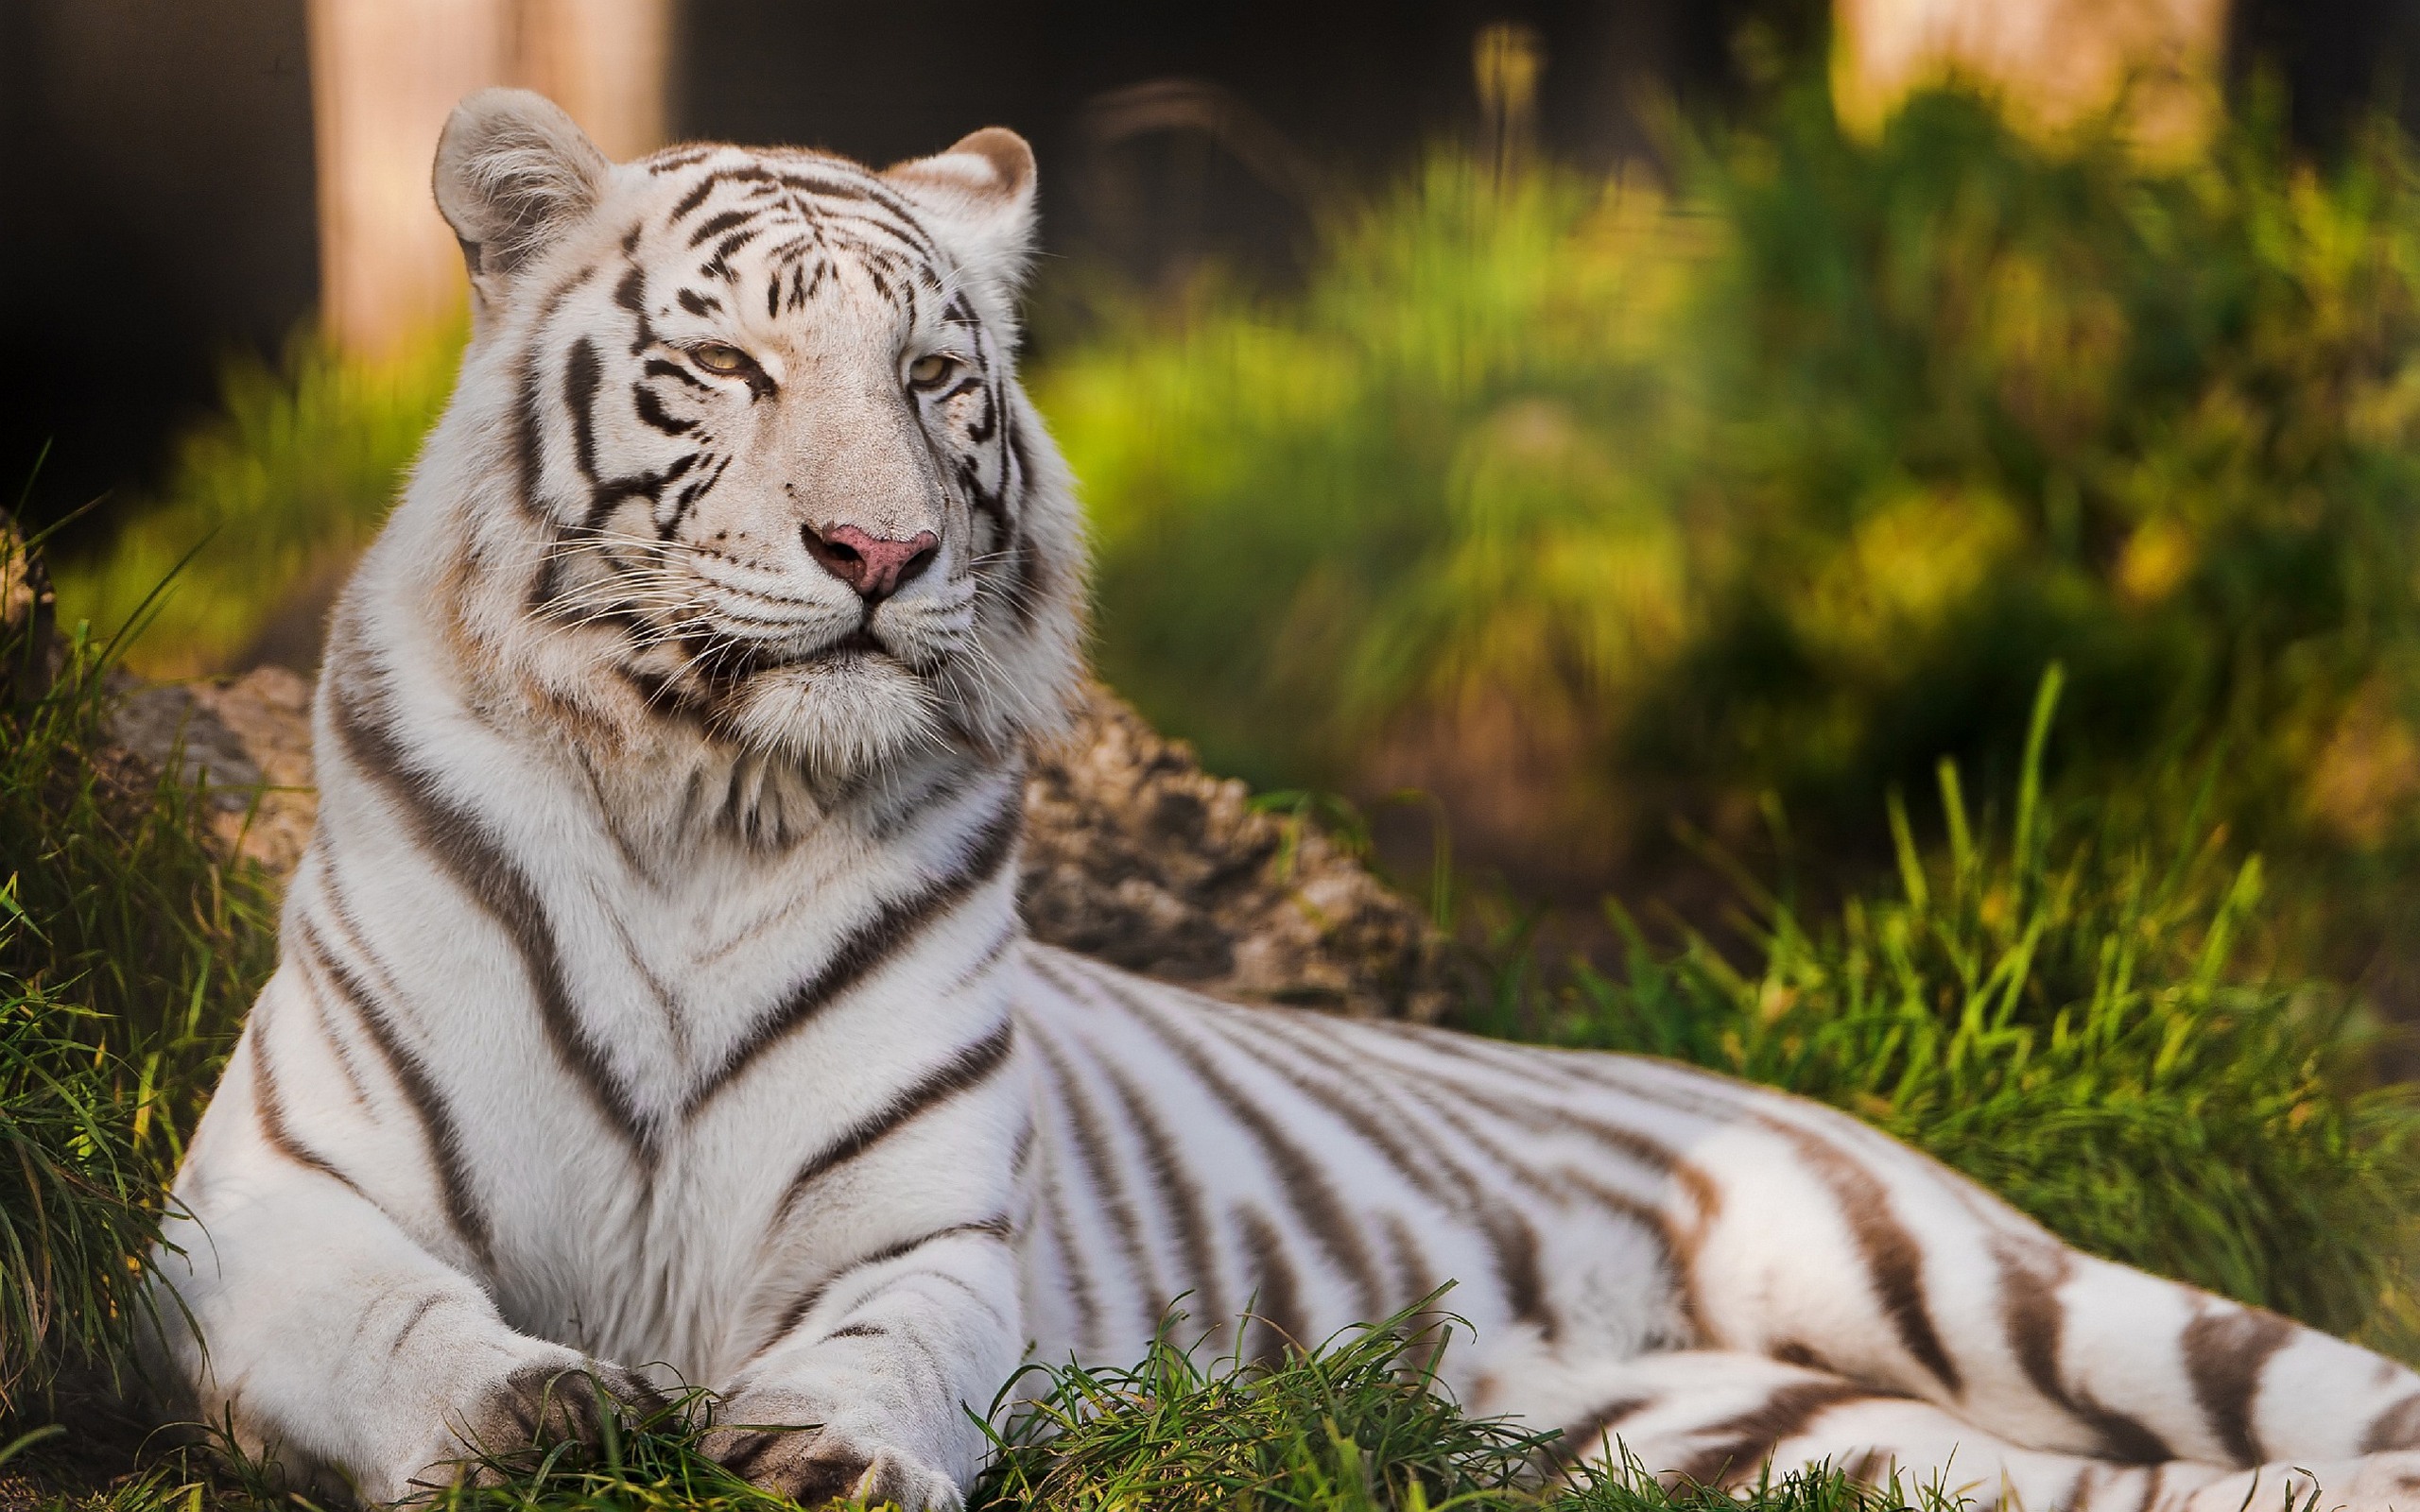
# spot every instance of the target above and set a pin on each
(875, 566)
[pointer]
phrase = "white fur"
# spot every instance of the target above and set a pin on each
(654, 1003)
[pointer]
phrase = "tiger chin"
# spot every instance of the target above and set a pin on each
(653, 1010)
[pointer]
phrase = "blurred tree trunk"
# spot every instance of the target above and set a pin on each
(382, 75)
(2054, 61)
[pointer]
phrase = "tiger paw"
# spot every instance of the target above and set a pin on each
(814, 1466)
(549, 1402)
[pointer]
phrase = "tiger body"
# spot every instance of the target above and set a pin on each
(652, 1001)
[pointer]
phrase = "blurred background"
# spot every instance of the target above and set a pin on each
(1607, 448)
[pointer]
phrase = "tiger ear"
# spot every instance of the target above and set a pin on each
(513, 172)
(978, 194)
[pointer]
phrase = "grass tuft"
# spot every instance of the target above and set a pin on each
(644, 1463)
(1358, 1424)
(129, 950)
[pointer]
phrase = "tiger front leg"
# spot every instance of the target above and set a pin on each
(305, 1320)
(866, 1393)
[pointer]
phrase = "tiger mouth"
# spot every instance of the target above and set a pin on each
(742, 659)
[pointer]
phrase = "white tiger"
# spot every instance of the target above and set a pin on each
(652, 998)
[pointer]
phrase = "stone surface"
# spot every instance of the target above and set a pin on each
(247, 741)
(1133, 854)
(1137, 856)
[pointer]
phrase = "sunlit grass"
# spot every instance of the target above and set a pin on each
(128, 952)
(266, 505)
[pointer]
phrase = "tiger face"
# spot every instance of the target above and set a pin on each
(770, 470)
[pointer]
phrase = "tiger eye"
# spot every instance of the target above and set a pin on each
(717, 357)
(931, 368)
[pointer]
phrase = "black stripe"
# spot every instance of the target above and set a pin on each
(1093, 1142)
(1740, 1448)
(1278, 1322)
(971, 1067)
(2226, 1353)
(1322, 1210)
(271, 1107)
(338, 1043)
(1680, 1237)
(581, 376)
(1894, 1258)
(735, 242)
(436, 1120)
(2034, 1320)
(427, 1305)
(1580, 1439)
(631, 294)
(714, 226)
(665, 367)
(1411, 1259)
(528, 433)
(1188, 1212)
(895, 926)
(696, 196)
(796, 1312)
(673, 160)
(649, 405)
(529, 427)
(1071, 1255)
(2397, 1427)
(864, 190)
(462, 847)
(1434, 1171)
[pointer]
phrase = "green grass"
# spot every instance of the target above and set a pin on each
(1358, 1425)
(128, 952)
(1355, 1424)
(2077, 1014)
(75, 1197)
(124, 912)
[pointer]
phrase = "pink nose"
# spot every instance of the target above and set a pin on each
(875, 566)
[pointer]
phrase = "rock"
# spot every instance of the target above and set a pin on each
(1133, 854)
(246, 741)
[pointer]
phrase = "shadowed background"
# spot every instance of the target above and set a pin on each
(1578, 438)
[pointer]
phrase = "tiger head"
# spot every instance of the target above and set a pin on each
(738, 440)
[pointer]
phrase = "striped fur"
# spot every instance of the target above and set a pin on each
(653, 999)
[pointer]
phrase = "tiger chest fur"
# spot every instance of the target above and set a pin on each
(652, 1003)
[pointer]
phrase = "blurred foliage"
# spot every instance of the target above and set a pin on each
(2067, 1012)
(266, 505)
(1587, 504)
